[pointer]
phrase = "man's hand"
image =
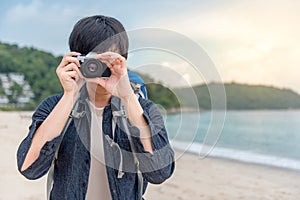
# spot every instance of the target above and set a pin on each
(69, 74)
(118, 83)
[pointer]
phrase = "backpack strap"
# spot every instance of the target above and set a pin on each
(50, 178)
(120, 112)
(137, 85)
(137, 89)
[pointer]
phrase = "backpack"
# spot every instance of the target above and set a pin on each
(137, 84)
(139, 88)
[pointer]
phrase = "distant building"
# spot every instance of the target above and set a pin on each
(7, 81)
(3, 99)
(6, 84)
(27, 91)
(17, 77)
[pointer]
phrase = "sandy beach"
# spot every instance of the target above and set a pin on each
(194, 178)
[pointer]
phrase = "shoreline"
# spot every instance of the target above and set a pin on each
(288, 170)
(218, 178)
(175, 111)
(239, 162)
(248, 157)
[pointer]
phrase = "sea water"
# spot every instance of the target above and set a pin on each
(261, 137)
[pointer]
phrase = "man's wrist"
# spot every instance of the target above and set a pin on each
(128, 97)
(70, 97)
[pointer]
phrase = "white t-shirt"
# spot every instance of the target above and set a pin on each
(98, 187)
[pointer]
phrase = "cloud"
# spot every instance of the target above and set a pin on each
(250, 41)
(45, 26)
(39, 11)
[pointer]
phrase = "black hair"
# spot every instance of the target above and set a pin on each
(99, 33)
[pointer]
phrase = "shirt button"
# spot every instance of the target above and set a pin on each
(87, 161)
(83, 184)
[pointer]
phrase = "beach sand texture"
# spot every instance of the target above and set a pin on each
(194, 178)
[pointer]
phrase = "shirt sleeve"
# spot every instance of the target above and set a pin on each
(42, 164)
(159, 166)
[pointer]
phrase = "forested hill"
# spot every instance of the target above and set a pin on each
(38, 68)
(243, 96)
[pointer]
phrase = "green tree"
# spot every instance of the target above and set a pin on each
(2, 92)
(162, 95)
(16, 91)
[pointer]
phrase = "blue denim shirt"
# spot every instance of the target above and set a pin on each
(71, 171)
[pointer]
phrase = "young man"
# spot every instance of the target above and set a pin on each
(97, 159)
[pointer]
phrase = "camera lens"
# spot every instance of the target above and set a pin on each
(92, 67)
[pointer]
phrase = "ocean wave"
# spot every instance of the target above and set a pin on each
(239, 155)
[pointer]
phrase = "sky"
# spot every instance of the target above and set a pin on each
(249, 41)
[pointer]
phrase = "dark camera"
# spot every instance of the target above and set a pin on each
(92, 68)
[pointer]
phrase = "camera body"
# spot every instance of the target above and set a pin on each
(91, 67)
